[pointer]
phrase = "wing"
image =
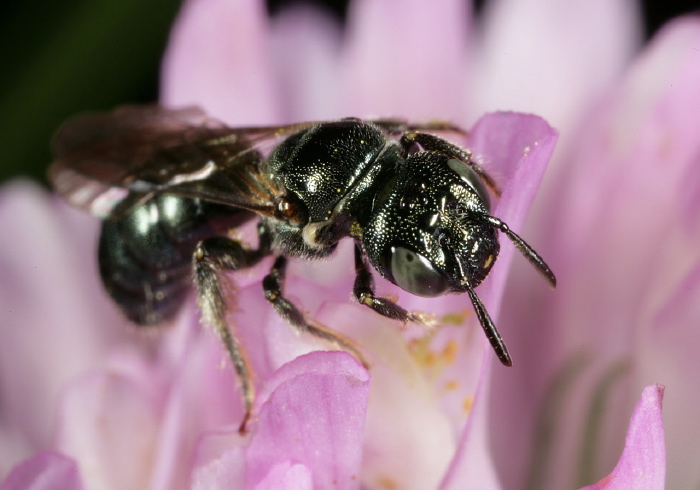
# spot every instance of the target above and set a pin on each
(107, 163)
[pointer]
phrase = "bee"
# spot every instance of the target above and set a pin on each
(170, 184)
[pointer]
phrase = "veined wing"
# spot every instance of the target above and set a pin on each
(109, 162)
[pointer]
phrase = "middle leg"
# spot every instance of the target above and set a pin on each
(272, 285)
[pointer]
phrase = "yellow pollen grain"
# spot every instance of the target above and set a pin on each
(455, 318)
(467, 404)
(420, 351)
(449, 353)
(451, 385)
(355, 229)
(387, 482)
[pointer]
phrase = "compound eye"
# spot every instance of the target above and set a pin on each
(471, 178)
(416, 274)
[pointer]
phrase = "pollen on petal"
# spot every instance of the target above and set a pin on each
(468, 404)
(451, 385)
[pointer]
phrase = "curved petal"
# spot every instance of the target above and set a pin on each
(408, 439)
(313, 415)
(643, 462)
(45, 471)
(516, 148)
(472, 466)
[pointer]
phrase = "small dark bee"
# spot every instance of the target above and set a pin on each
(170, 184)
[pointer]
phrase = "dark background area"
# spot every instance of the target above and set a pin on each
(61, 58)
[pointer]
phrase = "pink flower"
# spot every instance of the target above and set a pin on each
(87, 402)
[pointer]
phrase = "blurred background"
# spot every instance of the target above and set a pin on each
(61, 58)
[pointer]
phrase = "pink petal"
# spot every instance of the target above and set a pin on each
(540, 57)
(218, 59)
(615, 224)
(472, 465)
(203, 396)
(55, 321)
(44, 471)
(314, 416)
(408, 440)
(108, 423)
(646, 151)
(643, 462)
(515, 148)
(406, 59)
(287, 476)
(226, 469)
(305, 50)
(672, 344)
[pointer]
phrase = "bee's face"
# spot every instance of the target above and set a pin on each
(431, 235)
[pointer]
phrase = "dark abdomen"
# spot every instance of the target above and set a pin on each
(145, 259)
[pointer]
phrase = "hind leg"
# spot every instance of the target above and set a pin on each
(212, 258)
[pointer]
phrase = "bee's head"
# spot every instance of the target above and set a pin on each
(432, 233)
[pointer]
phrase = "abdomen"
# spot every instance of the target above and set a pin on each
(145, 258)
